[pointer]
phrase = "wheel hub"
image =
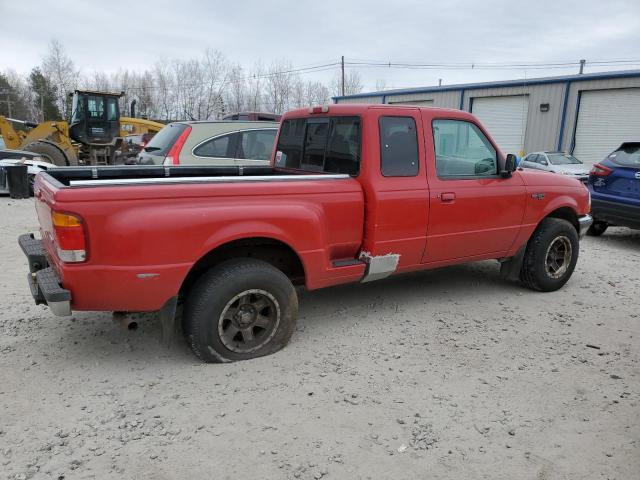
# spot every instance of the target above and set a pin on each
(249, 321)
(245, 316)
(558, 257)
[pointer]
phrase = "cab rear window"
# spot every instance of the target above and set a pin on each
(320, 144)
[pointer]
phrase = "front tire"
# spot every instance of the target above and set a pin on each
(240, 309)
(551, 255)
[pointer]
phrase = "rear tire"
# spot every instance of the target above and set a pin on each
(50, 152)
(598, 228)
(551, 255)
(240, 309)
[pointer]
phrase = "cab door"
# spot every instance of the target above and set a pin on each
(474, 212)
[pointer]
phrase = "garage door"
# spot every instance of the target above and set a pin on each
(606, 118)
(505, 118)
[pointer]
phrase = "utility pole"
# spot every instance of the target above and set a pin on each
(582, 62)
(439, 82)
(342, 66)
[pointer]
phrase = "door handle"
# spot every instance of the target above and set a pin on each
(447, 197)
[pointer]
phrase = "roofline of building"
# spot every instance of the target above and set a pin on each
(496, 84)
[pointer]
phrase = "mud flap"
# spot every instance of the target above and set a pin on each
(510, 267)
(168, 324)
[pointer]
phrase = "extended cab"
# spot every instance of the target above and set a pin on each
(354, 193)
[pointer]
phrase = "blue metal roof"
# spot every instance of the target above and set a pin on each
(501, 83)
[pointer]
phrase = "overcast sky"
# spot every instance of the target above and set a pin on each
(136, 34)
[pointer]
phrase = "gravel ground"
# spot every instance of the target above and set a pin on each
(450, 373)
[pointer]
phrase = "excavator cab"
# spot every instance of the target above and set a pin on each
(95, 117)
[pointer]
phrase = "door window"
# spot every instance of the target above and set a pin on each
(462, 150)
(256, 144)
(398, 147)
(219, 147)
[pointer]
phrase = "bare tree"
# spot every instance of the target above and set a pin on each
(62, 74)
(278, 87)
(255, 100)
(236, 91)
(216, 73)
(352, 83)
(162, 92)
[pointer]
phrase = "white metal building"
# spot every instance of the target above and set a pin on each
(588, 115)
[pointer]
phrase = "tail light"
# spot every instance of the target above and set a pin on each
(173, 157)
(600, 170)
(70, 237)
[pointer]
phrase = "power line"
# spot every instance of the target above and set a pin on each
(484, 66)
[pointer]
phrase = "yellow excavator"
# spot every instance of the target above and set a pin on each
(92, 136)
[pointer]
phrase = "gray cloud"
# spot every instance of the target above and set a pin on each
(133, 35)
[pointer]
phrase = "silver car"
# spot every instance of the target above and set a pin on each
(557, 162)
(211, 143)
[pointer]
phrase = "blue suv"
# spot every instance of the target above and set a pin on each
(614, 184)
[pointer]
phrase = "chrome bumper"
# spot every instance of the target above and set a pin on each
(585, 222)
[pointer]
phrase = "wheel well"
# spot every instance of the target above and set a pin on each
(568, 214)
(277, 253)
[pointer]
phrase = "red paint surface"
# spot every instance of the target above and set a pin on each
(166, 229)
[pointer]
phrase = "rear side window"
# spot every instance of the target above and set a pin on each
(326, 144)
(220, 147)
(398, 147)
(162, 141)
(628, 155)
(256, 144)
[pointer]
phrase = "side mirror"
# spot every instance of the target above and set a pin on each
(544, 162)
(510, 165)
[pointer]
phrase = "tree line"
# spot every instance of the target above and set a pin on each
(202, 88)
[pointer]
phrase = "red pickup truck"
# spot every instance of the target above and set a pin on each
(354, 193)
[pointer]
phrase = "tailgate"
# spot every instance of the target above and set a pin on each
(44, 194)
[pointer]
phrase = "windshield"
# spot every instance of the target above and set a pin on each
(628, 155)
(165, 138)
(561, 159)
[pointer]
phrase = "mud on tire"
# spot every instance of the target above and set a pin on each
(240, 309)
(550, 256)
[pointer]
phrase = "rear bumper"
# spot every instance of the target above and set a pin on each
(616, 213)
(44, 282)
(585, 222)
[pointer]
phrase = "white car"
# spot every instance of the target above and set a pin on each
(33, 162)
(557, 162)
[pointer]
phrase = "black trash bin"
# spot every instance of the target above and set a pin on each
(18, 181)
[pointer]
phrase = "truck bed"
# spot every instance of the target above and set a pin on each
(146, 227)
